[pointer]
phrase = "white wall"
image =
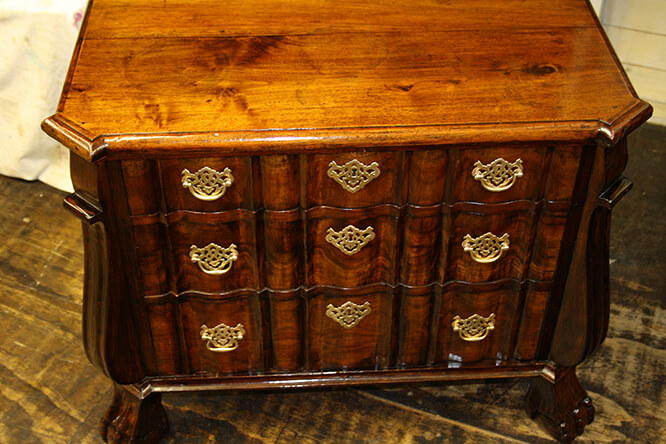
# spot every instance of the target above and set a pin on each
(637, 30)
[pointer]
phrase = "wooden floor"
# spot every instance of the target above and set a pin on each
(50, 393)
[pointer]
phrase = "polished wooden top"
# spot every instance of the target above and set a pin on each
(281, 75)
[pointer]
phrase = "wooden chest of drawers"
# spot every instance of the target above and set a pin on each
(288, 194)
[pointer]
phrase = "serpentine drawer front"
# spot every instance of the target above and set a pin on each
(277, 194)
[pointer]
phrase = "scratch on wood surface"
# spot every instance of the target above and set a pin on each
(633, 285)
(462, 425)
(51, 251)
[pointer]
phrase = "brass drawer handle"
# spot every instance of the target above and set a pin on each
(353, 175)
(348, 314)
(485, 248)
(498, 175)
(222, 338)
(213, 259)
(350, 239)
(475, 328)
(207, 184)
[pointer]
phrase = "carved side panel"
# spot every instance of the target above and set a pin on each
(95, 291)
(112, 337)
(585, 300)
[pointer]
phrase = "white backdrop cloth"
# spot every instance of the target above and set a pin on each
(37, 38)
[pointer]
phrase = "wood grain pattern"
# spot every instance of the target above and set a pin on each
(371, 80)
(41, 265)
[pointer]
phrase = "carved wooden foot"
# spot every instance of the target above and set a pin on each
(562, 408)
(131, 419)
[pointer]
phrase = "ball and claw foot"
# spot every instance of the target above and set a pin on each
(562, 407)
(132, 420)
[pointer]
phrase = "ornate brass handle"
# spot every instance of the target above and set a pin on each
(353, 175)
(498, 175)
(348, 314)
(350, 239)
(207, 184)
(485, 248)
(213, 259)
(222, 338)
(474, 328)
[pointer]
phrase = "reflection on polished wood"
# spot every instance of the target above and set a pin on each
(40, 315)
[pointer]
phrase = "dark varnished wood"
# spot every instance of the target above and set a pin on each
(426, 101)
(374, 263)
(365, 346)
(585, 303)
(42, 277)
(176, 197)
(197, 310)
(322, 190)
(514, 219)
(560, 405)
(500, 298)
(131, 419)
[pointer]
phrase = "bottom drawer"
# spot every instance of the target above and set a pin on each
(222, 336)
(476, 322)
(349, 329)
(330, 328)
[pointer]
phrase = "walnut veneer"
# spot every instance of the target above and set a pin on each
(279, 194)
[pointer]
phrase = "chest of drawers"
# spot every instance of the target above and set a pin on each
(290, 195)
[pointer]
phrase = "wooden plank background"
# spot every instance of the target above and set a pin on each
(49, 393)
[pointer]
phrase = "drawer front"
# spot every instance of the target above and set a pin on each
(476, 322)
(222, 336)
(493, 175)
(354, 180)
(350, 248)
(214, 252)
(349, 329)
(488, 242)
(207, 184)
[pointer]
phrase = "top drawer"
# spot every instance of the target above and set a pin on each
(504, 174)
(354, 180)
(207, 184)
(493, 175)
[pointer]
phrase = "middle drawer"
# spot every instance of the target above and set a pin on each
(351, 248)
